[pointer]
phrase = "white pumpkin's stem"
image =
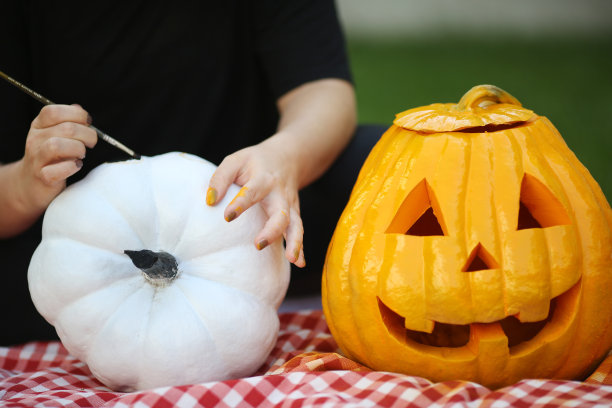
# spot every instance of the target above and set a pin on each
(159, 268)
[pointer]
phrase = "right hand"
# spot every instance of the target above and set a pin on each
(54, 150)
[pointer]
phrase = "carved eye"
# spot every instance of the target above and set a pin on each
(539, 208)
(419, 214)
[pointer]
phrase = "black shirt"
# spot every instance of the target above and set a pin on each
(159, 76)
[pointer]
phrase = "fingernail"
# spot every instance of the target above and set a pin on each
(211, 196)
(262, 244)
(231, 216)
(89, 119)
(78, 163)
(296, 253)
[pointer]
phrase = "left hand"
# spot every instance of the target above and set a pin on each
(268, 177)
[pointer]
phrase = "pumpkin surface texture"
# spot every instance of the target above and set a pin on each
(150, 286)
(474, 246)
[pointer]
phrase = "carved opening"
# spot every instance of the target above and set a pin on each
(427, 224)
(480, 259)
(493, 127)
(419, 214)
(443, 335)
(519, 332)
(526, 219)
(456, 335)
(538, 207)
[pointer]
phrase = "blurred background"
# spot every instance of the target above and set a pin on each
(555, 56)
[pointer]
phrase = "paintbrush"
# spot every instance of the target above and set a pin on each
(42, 99)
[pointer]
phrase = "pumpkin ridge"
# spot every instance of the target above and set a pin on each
(187, 299)
(410, 150)
(517, 151)
(365, 173)
(144, 333)
(600, 348)
(155, 200)
(109, 196)
(464, 206)
(479, 241)
(384, 169)
(563, 151)
(101, 200)
(431, 244)
(496, 252)
(553, 183)
(211, 280)
(574, 174)
(544, 162)
(94, 339)
(237, 292)
(115, 281)
(563, 154)
(227, 246)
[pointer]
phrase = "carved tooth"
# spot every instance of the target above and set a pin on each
(534, 312)
(422, 325)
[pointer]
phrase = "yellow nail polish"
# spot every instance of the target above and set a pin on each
(211, 196)
(296, 252)
(262, 244)
(231, 216)
(241, 193)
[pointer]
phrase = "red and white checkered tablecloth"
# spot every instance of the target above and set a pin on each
(305, 369)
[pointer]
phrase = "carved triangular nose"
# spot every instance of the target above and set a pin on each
(480, 259)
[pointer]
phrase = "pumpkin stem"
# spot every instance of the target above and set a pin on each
(482, 95)
(159, 268)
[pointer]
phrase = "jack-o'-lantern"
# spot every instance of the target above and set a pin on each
(474, 246)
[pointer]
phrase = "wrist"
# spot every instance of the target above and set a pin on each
(284, 149)
(20, 204)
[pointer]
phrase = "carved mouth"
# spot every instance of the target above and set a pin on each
(455, 335)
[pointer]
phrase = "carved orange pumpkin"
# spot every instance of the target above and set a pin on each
(474, 246)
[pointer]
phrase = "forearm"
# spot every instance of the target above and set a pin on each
(317, 121)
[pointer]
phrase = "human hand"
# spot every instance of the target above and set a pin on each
(269, 177)
(54, 150)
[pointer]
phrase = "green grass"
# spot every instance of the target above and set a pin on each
(570, 82)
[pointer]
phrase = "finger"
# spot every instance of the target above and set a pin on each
(51, 115)
(68, 130)
(301, 261)
(60, 171)
(222, 178)
(252, 192)
(273, 229)
(294, 238)
(56, 149)
(76, 131)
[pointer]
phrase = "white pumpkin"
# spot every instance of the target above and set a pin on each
(202, 308)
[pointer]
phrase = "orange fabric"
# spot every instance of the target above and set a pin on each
(603, 373)
(315, 361)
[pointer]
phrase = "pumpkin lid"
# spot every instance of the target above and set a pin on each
(481, 106)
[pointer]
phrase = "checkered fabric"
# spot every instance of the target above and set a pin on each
(305, 369)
